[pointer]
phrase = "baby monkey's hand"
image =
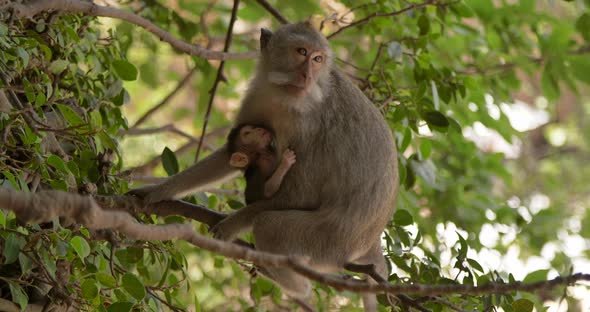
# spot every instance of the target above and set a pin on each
(289, 157)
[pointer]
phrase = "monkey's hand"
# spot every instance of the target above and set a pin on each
(228, 228)
(150, 193)
(289, 158)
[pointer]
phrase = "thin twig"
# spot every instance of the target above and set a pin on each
(29, 10)
(378, 14)
(274, 12)
(167, 99)
(449, 304)
(219, 77)
(151, 164)
(18, 104)
(167, 128)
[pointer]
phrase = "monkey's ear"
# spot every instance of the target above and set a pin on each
(265, 35)
(239, 160)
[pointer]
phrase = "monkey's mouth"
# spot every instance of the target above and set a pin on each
(296, 90)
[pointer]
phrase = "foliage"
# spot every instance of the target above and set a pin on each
(437, 73)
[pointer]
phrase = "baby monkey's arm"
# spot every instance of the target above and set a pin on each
(274, 182)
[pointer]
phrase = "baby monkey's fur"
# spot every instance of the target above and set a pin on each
(252, 149)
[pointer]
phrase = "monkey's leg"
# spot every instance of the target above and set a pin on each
(213, 169)
(241, 220)
(293, 232)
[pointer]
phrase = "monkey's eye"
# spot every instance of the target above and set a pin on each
(302, 51)
(318, 59)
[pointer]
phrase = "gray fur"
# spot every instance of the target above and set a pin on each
(335, 201)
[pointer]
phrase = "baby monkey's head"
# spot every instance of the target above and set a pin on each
(246, 142)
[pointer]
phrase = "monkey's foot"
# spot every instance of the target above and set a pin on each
(223, 230)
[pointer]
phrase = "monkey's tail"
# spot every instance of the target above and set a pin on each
(370, 302)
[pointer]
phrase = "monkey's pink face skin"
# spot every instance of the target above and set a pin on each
(309, 63)
(259, 137)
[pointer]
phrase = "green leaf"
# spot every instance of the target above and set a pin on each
(580, 66)
(24, 55)
(437, 119)
(536, 276)
(12, 247)
(523, 305)
(402, 217)
(40, 100)
(11, 179)
(265, 285)
(133, 286)
(255, 293)
(96, 120)
(18, 295)
(125, 70)
(149, 74)
(46, 51)
(475, 265)
(464, 248)
(462, 10)
(212, 201)
(425, 149)
(549, 84)
(70, 115)
(80, 246)
(2, 219)
(25, 262)
(58, 66)
(120, 307)
(57, 163)
(407, 139)
(169, 162)
(424, 25)
(107, 141)
(106, 280)
(89, 289)
(234, 204)
(583, 25)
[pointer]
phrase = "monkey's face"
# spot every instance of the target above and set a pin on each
(256, 137)
(296, 56)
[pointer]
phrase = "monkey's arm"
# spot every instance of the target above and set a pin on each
(211, 170)
(271, 186)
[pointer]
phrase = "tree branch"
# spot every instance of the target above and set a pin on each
(378, 14)
(219, 77)
(46, 206)
(31, 9)
(167, 99)
(167, 128)
(274, 12)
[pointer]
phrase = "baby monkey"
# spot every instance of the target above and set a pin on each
(253, 147)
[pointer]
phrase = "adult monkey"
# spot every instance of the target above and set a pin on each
(336, 200)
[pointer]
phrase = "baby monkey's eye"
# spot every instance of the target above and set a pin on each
(318, 59)
(302, 51)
